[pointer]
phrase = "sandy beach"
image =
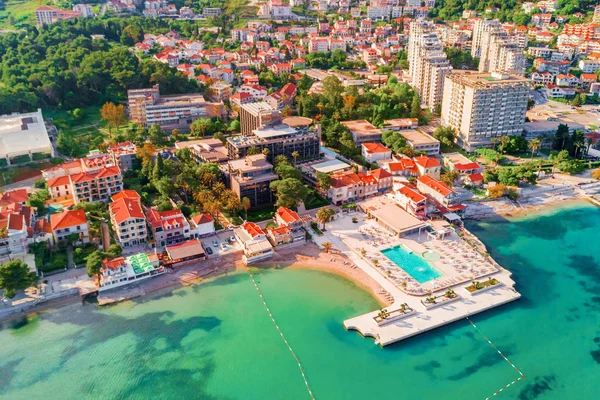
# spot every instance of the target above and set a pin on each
(311, 256)
(307, 256)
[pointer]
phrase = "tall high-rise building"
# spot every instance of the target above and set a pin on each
(479, 27)
(596, 18)
(499, 52)
(482, 106)
(428, 64)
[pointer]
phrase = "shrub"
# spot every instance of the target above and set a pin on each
(497, 191)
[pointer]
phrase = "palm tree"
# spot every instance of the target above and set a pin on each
(534, 145)
(450, 293)
(245, 206)
(578, 144)
(295, 154)
(265, 151)
(504, 140)
(495, 142)
(383, 313)
(327, 246)
(403, 308)
(324, 215)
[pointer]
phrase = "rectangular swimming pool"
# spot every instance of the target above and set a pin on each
(413, 264)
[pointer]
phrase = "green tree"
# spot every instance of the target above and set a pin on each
(156, 135)
(220, 136)
(415, 107)
(446, 135)
(324, 215)
(93, 264)
(253, 150)
(15, 275)
(534, 145)
(287, 171)
(289, 192)
(324, 180)
(234, 126)
(449, 178)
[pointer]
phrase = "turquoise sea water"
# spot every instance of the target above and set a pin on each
(413, 264)
(215, 341)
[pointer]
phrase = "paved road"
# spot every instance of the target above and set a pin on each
(26, 183)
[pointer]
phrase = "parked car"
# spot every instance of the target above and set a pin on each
(232, 239)
(209, 251)
(215, 243)
(223, 246)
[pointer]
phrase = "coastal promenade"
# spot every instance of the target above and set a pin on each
(340, 233)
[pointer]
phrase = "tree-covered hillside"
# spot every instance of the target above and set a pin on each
(61, 65)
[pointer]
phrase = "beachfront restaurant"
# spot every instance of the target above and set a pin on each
(184, 253)
(123, 271)
(391, 217)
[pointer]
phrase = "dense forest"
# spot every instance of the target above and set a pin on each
(62, 66)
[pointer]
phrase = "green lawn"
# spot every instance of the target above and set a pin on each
(261, 214)
(315, 200)
(18, 13)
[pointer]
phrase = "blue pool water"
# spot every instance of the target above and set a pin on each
(414, 265)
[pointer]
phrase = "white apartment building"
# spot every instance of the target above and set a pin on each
(479, 27)
(482, 106)
(128, 219)
(428, 64)
(84, 9)
(500, 53)
(589, 66)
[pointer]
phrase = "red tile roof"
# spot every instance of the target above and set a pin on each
(60, 181)
(380, 173)
(427, 162)
(113, 263)
(438, 186)
(126, 194)
(252, 229)
(67, 219)
(466, 167)
(476, 177)
(411, 194)
(288, 216)
(126, 208)
(375, 148)
(14, 196)
(280, 230)
(202, 219)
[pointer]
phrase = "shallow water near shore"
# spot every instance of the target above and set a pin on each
(215, 340)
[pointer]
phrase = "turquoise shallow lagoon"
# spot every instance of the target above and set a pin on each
(215, 340)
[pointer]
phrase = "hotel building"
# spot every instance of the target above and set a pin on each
(92, 178)
(128, 219)
(256, 116)
(251, 177)
(428, 64)
(67, 223)
(482, 106)
(167, 227)
(279, 140)
(147, 107)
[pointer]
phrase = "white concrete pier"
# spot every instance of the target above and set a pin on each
(342, 233)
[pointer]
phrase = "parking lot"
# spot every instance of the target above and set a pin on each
(220, 244)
